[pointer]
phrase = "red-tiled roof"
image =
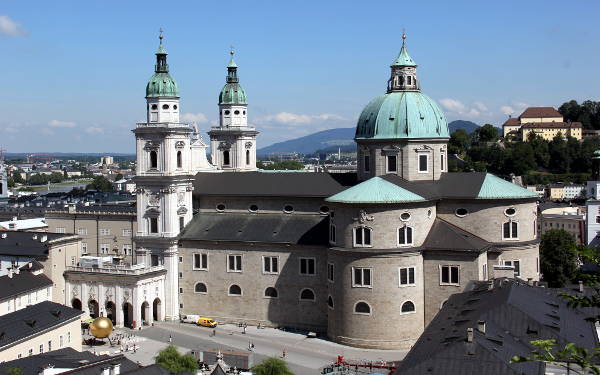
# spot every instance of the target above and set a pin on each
(540, 112)
(532, 125)
(512, 121)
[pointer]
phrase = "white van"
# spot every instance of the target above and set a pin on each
(190, 319)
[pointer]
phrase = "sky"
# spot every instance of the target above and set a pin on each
(74, 73)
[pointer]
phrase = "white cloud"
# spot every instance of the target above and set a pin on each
(482, 107)
(507, 110)
(94, 130)
(513, 108)
(298, 119)
(456, 106)
(194, 117)
(10, 27)
(61, 124)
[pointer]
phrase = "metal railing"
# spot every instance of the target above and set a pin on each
(116, 269)
(163, 125)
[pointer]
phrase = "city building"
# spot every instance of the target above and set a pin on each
(3, 181)
(540, 190)
(37, 224)
(39, 328)
(105, 230)
(367, 258)
(571, 219)
(546, 122)
(556, 192)
(478, 332)
(24, 286)
(574, 191)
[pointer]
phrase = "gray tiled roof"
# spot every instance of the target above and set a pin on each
(445, 236)
(269, 228)
(33, 320)
(22, 282)
(23, 243)
(61, 358)
(514, 314)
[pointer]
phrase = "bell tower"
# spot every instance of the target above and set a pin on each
(233, 142)
(163, 179)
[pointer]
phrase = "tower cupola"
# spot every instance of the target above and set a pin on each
(404, 71)
(162, 94)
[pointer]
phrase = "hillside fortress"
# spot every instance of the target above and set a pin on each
(367, 258)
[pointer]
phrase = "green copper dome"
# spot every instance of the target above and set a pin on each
(402, 114)
(161, 84)
(232, 92)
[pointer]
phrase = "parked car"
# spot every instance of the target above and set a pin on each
(190, 319)
(207, 322)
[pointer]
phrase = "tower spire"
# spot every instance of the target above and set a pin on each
(161, 56)
(232, 68)
(404, 71)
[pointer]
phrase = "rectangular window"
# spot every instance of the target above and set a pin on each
(516, 264)
(60, 230)
(69, 337)
(423, 163)
(181, 275)
(49, 345)
(61, 341)
(104, 232)
(200, 261)
(510, 230)
(127, 249)
(234, 263)
(126, 232)
(332, 234)
(407, 276)
(330, 269)
(442, 162)
(271, 265)
(362, 236)
(361, 277)
(83, 248)
(181, 223)
(392, 166)
(367, 163)
(41, 348)
(485, 272)
(449, 275)
(104, 248)
(153, 225)
(82, 231)
(405, 236)
(308, 266)
(154, 260)
(31, 351)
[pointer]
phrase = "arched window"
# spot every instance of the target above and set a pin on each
(330, 302)
(408, 307)
(225, 157)
(510, 230)
(179, 160)
(271, 292)
(405, 236)
(247, 157)
(307, 295)
(153, 159)
(235, 290)
(200, 288)
(362, 236)
(362, 308)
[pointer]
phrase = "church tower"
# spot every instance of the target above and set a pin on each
(233, 142)
(163, 179)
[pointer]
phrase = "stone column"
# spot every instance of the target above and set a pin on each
(84, 299)
(171, 284)
(119, 305)
(135, 302)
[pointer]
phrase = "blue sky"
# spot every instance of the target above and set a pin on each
(74, 72)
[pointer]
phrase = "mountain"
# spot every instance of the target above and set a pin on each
(330, 140)
(312, 142)
(462, 124)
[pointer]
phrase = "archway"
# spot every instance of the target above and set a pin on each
(94, 309)
(111, 312)
(156, 305)
(76, 304)
(127, 315)
(145, 313)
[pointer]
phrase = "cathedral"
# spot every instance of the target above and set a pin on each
(366, 259)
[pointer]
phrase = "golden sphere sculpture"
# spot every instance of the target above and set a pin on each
(101, 327)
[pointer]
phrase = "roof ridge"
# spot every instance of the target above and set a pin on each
(463, 230)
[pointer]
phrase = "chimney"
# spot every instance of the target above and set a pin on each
(106, 371)
(116, 369)
(580, 286)
(14, 218)
(469, 334)
(35, 237)
(481, 326)
(10, 273)
(17, 270)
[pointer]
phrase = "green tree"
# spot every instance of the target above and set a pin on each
(521, 159)
(38, 179)
(169, 358)
(559, 155)
(100, 183)
(271, 366)
(558, 257)
(487, 133)
(540, 149)
(119, 177)
(459, 141)
(17, 177)
(56, 177)
(14, 371)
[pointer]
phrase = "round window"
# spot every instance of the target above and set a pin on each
(236, 112)
(220, 207)
(227, 112)
(244, 112)
(165, 106)
(405, 216)
(429, 213)
(175, 106)
(154, 106)
(510, 211)
(324, 209)
(253, 208)
(288, 208)
(461, 212)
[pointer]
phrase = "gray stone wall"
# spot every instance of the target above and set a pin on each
(486, 217)
(385, 327)
(528, 257)
(252, 306)
(384, 221)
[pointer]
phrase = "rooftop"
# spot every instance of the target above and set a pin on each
(538, 125)
(28, 279)
(30, 243)
(375, 190)
(533, 112)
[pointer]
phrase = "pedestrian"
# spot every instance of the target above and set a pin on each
(244, 332)
(283, 353)
(252, 346)
(170, 339)
(249, 346)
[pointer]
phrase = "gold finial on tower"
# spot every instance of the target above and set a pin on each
(160, 36)
(231, 50)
